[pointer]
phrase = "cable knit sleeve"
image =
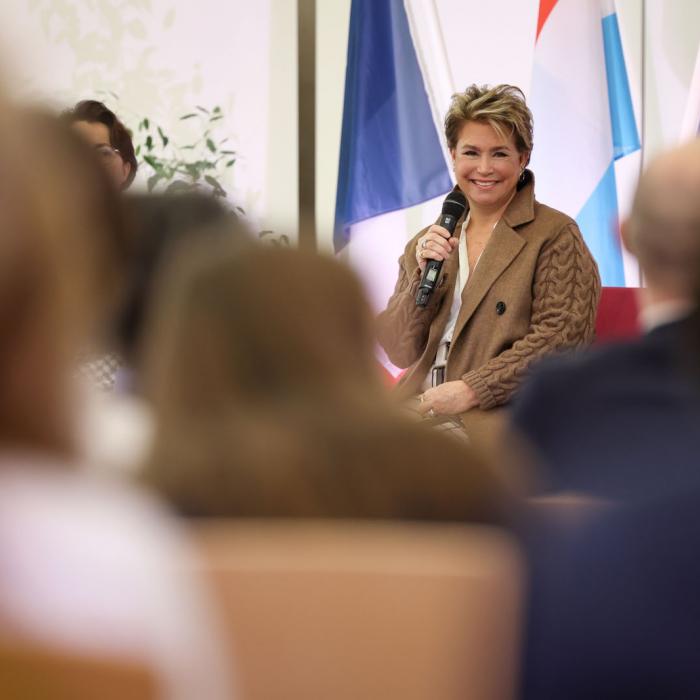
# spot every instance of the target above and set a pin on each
(403, 327)
(566, 289)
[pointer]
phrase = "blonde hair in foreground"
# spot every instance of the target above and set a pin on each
(501, 106)
(48, 273)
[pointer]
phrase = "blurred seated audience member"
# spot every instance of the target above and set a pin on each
(117, 427)
(621, 421)
(158, 224)
(102, 129)
(88, 566)
(98, 363)
(111, 433)
(615, 613)
(269, 401)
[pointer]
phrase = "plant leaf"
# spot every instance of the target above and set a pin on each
(179, 186)
(153, 181)
(202, 109)
(188, 116)
(193, 171)
(219, 191)
(211, 145)
(230, 163)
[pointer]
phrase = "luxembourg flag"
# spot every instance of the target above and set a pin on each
(584, 121)
(391, 157)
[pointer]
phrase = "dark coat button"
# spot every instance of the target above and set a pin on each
(500, 308)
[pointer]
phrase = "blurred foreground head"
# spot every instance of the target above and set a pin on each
(56, 233)
(159, 225)
(663, 229)
(269, 401)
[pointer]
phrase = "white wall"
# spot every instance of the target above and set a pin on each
(332, 22)
(161, 58)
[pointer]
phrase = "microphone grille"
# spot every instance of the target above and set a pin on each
(454, 204)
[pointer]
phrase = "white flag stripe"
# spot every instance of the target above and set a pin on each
(569, 63)
(429, 43)
(607, 7)
(691, 116)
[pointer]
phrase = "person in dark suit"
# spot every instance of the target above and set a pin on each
(613, 608)
(621, 421)
(617, 614)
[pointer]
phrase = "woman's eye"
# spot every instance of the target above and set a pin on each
(469, 153)
(500, 154)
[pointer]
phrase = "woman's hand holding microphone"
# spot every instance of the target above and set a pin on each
(435, 244)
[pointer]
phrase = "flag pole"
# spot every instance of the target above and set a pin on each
(306, 59)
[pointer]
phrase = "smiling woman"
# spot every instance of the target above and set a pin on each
(517, 282)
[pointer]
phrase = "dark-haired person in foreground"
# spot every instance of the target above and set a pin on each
(103, 130)
(518, 280)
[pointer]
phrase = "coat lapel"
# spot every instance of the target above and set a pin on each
(503, 247)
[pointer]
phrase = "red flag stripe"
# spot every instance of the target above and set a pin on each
(546, 6)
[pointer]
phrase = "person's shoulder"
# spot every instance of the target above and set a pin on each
(48, 494)
(551, 222)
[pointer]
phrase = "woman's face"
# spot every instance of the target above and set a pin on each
(486, 166)
(97, 135)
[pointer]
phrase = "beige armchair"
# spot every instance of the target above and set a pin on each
(337, 610)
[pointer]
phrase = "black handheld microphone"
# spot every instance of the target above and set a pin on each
(452, 208)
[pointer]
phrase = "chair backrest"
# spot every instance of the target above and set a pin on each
(617, 314)
(320, 610)
(34, 672)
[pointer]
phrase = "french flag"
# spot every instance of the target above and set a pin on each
(391, 157)
(584, 121)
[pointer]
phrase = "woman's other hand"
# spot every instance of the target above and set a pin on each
(448, 399)
(435, 244)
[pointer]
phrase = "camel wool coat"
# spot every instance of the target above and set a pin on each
(534, 291)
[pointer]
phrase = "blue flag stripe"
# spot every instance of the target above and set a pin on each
(598, 221)
(390, 156)
(624, 125)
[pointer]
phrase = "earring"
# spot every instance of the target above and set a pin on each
(522, 175)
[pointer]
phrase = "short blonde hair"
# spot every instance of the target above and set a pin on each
(502, 106)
